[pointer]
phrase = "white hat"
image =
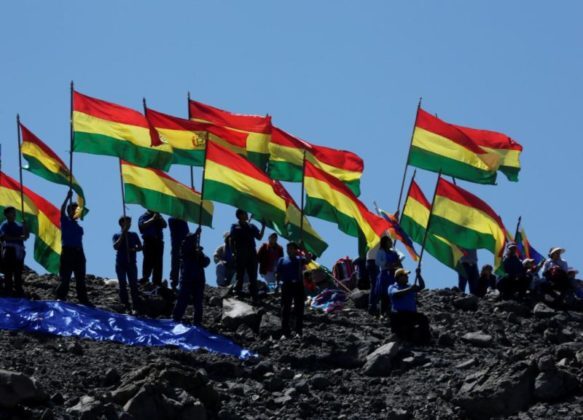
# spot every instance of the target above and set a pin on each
(556, 249)
(526, 261)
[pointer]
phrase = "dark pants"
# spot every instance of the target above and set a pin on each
(468, 275)
(72, 261)
(12, 267)
(128, 273)
(373, 298)
(411, 326)
(189, 289)
(175, 265)
(384, 279)
(292, 292)
(511, 287)
(247, 265)
(153, 257)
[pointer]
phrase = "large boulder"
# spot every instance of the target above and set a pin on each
(359, 298)
(236, 313)
(553, 385)
(467, 303)
(17, 388)
(380, 361)
(542, 311)
(513, 307)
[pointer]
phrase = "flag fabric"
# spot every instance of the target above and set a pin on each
(42, 219)
(187, 138)
(498, 144)
(467, 221)
(155, 190)
(287, 157)
(232, 179)
(104, 128)
(329, 199)
(439, 146)
(42, 161)
(256, 127)
(525, 249)
(414, 222)
(397, 233)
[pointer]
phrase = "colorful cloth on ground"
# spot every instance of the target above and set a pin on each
(286, 160)
(525, 249)
(72, 320)
(41, 218)
(329, 300)
(397, 233)
(104, 128)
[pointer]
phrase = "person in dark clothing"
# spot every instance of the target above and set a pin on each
(362, 279)
(243, 235)
(268, 255)
(72, 254)
(178, 231)
(127, 244)
(289, 273)
(468, 271)
(12, 236)
(192, 278)
(487, 280)
(406, 322)
(387, 260)
(151, 225)
(515, 283)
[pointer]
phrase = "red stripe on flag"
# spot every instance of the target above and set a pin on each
(29, 137)
(107, 110)
(251, 123)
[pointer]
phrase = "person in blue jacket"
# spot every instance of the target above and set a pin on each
(127, 244)
(192, 278)
(178, 231)
(12, 236)
(152, 225)
(515, 283)
(387, 261)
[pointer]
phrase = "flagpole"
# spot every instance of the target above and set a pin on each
(206, 142)
(191, 167)
(408, 156)
(517, 227)
(408, 192)
(429, 221)
(71, 138)
(123, 202)
(20, 166)
(302, 200)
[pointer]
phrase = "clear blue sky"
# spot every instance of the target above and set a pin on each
(344, 74)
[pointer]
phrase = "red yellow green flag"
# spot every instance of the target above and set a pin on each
(104, 128)
(257, 128)
(287, 155)
(41, 218)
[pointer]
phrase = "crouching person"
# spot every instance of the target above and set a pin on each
(406, 322)
(192, 279)
(127, 244)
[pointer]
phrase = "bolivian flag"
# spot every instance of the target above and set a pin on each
(287, 156)
(329, 199)
(41, 218)
(188, 137)
(439, 146)
(42, 161)
(156, 191)
(104, 128)
(256, 127)
(414, 221)
(232, 179)
(467, 221)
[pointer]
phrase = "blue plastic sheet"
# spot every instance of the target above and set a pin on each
(72, 320)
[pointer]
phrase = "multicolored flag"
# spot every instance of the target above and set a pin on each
(439, 146)
(41, 218)
(104, 128)
(414, 221)
(525, 248)
(286, 160)
(232, 179)
(329, 199)
(188, 137)
(397, 233)
(156, 191)
(42, 161)
(466, 220)
(257, 128)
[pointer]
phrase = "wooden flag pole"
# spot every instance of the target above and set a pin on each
(191, 167)
(71, 139)
(400, 215)
(302, 200)
(517, 227)
(206, 142)
(20, 167)
(123, 202)
(429, 221)
(408, 156)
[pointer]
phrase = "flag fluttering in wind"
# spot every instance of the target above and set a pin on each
(525, 248)
(329, 199)
(414, 221)
(257, 128)
(396, 232)
(104, 128)
(41, 218)
(287, 158)
(42, 161)
(466, 220)
(439, 146)
(156, 191)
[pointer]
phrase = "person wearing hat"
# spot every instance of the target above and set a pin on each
(388, 261)
(12, 235)
(406, 322)
(515, 283)
(555, 271)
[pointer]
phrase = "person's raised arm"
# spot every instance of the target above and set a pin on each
(64, 205)
(261, 232)
(419, 279)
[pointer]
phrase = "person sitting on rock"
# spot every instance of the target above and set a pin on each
(192, 278)
(12, 236)
(555, 271)
(289, 273)
(406, 322)
(225, 265)
(127, 244)
(486, 281)
(268, 255)
(388, 261)
(515, 283)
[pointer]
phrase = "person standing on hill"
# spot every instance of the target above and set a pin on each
(178, 231)
(127, 244)
(243, 235)
(388, 261)
(72, 255)
(468, 271)
(268, 255)
(152, 225)
(12, 236)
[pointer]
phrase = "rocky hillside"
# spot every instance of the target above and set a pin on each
(488, 359)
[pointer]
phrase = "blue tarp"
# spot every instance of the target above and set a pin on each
(72, 320)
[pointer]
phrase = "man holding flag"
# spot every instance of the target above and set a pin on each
(12, 236)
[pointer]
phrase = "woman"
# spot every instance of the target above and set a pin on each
(387, 261)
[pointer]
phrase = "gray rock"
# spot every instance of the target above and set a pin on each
(319, 382)
(111, 377)
(467, 303)
(236, 312)
(568, 350)
(150, 403)
(551, 386)
(467, 364)
(478, 338)
(273, 383)
(216, 301)
(17, 388)
(513, 307)
(543, 311)
(379, 362)
(445, 340)
(88, 408)
(398, 414)
(348, 356)
(359, 298)
(546, 364)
